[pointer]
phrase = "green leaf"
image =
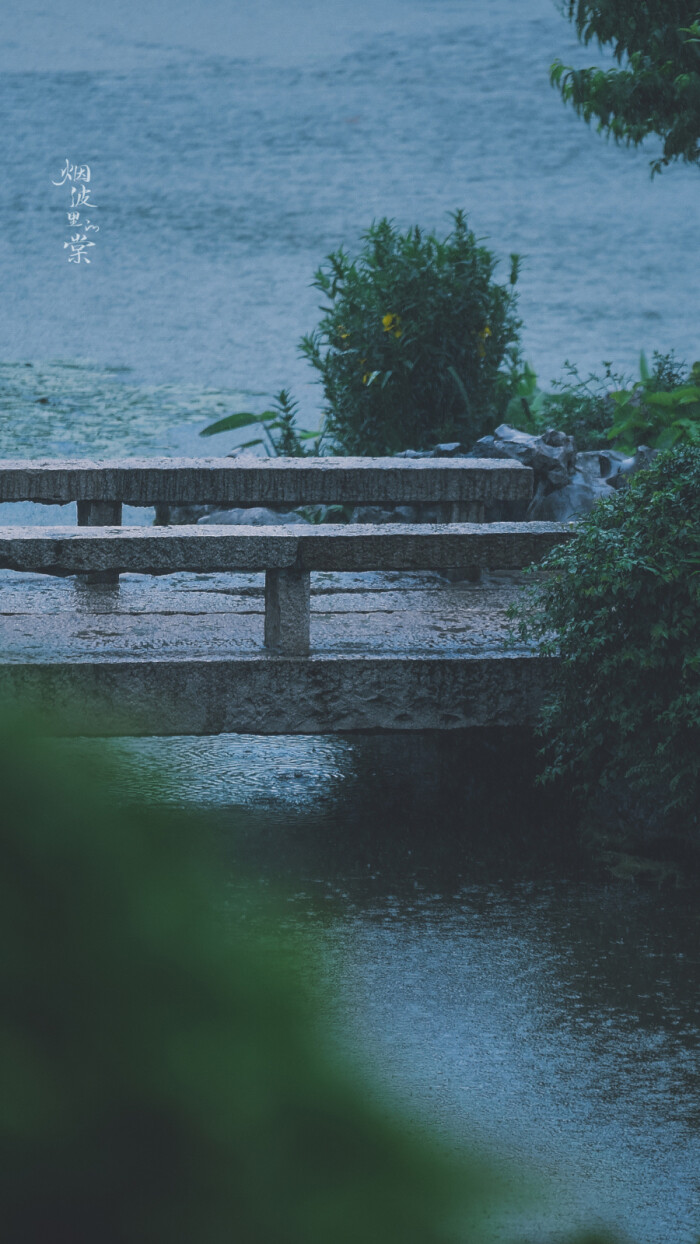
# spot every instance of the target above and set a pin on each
(527, 382)
(668, 438)
(243, 419)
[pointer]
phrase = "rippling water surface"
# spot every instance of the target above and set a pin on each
(497, 983)
(233, 146)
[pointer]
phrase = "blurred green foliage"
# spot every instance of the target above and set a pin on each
(164, 1074)
(621, 605)
(417, 343)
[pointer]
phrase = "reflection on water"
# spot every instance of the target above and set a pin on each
(494, 978)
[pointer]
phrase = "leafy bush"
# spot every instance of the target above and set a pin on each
(661, 409)
(580, 406)
(413, 341)
(622, 607)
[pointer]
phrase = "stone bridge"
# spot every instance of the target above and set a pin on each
(299, 629)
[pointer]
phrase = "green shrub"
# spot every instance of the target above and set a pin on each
(661, 409)
(622, 606)
(414, 339)
(580, 406)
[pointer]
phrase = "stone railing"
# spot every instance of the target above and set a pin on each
(287, 554)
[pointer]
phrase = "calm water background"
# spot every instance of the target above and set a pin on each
(232, 145)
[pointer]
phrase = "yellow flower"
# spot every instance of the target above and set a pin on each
(392, 324)
(365, 378)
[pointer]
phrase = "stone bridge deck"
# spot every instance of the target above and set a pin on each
(185, 655)
(390, 647)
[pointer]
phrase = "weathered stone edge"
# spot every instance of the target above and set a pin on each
(265, 694)
(161, 550)
(280, 481)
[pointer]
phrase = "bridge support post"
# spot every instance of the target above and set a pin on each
(100, 514)
(468, 512)
(287, 610)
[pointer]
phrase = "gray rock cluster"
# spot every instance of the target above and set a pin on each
(567, 484)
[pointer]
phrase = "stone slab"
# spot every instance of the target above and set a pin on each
(397, 546)
(448, 619)
(261, 481)
(186, 655)
(163, 550)
(267, 694)
(183, 593)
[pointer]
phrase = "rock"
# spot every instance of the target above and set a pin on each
(595, 471)
(576, 498)
(587, 484)
(253, 516)
(629, 466)
(454, 449)
(181, 515)
(598, 464)
(551, 455)
(416, 453)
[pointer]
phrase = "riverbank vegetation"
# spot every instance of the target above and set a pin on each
(621, 606)
(413, 340)
(659, 409)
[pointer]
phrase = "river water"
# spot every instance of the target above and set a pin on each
(496, 983)
(232, 147)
